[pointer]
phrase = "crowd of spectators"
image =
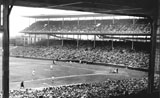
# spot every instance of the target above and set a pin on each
(120, 55)
(107, 89)
(90, 26)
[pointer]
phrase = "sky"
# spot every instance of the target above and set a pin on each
(18, 22)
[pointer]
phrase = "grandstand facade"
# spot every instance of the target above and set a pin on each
(100, 26)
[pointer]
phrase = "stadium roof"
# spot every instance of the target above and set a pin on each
(121, 7)
(68, 16)
(78, 16)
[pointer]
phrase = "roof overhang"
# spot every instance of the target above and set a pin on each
(121, 7)
(68, 16)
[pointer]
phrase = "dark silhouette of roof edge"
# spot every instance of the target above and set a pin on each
(71, 16)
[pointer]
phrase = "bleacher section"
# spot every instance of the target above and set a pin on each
(122, 54)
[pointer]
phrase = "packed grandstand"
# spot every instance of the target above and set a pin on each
(90, 26)
(127, 88)
(121, 55)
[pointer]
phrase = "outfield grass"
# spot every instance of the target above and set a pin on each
(64, 73)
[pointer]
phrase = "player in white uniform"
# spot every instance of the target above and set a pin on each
(33, 73)
(51, 67)
(80, 61)
(53, 79)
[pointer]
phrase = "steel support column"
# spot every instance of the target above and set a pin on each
(94, 44)
(62, 40)
(5, 54)
(48, 40)
(24, 41)
(29, 39)
(153, 22)
(158, 41)
(112, 44)
(35, 37)
(132, 45)
(77, 41)
(152, 56)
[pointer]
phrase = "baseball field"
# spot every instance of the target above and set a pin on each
(62, 73)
